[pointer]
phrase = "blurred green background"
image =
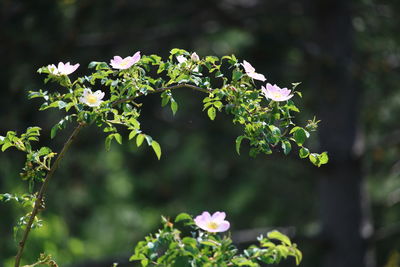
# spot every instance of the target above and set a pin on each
(345, 53)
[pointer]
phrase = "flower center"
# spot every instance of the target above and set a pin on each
(212, 225)
(91, 99)
(124, 62)
(277, 95)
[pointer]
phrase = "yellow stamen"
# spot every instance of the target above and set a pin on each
(91, 99)
(212, 225)
(124, 62)
(276, 95)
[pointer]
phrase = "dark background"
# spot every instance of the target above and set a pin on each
(345, 53)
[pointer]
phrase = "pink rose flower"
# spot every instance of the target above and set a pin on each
(212, 223)
(275, 93)
(124, 63)
(251, 72)
(62, 69)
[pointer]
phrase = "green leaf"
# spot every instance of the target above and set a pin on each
(145, 262)
(275, 130)
(218, 74)
(108, 142)
(291, 106)
(139, 139)
(149, 140)
(218, 105)
(283, 250)
(134, 123)
(319, 159)
(164, 99)
(54, 130)
(236, 75)
(242, 261)
(298, 256)
(207, 99)
(132, 134)
(295, 85)
(279, 236)
(183, 217)
(300, 135)
(314, 159)
(61, 104)
(92, 64)
(118, 137)
(268, 244)
(137, 257)
(286, 147)
(210, 243)
(212, 113)
(69, 106)
(189, 241)
(174, 106)
(177, 50)
(6, 145)
(157, 149)
(46, 106)
(183, 78)
(33, 130)
(238, 143)
(324, 158)
(43, 151)
(211, 59)
(304, 152)
(294, 129)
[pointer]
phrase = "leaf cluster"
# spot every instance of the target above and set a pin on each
(182, 243)
(43, 260)
(267, 125)
(38, 161)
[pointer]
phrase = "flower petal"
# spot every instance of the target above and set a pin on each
(99, 94)
(218, 216)
(285, 92)
(248, 67)
(272, 89)
(286, 98)
(86, 91)
(257, 76)
(117, 59)
(136, 57)
(194, 56)
(202, 220)
(181, 58)
(60, 66)
(75, 67)
(224, 226)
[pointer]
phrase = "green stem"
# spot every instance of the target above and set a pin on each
(39, 200)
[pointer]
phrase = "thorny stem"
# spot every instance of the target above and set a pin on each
(39, 200)
(38, 203)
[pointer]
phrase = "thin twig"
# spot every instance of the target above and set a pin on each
(38, 203)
